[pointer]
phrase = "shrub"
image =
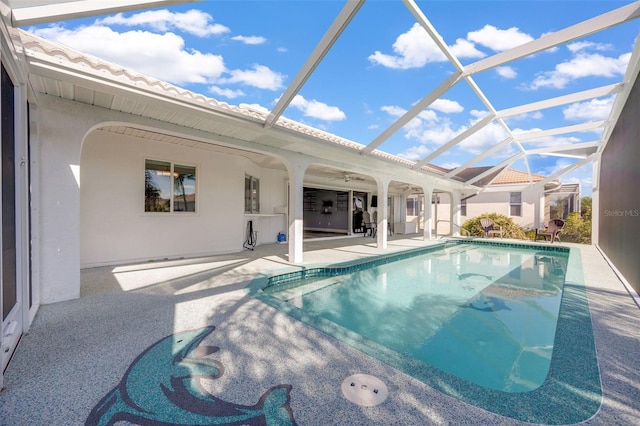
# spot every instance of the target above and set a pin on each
(576, 229)
(509, 228)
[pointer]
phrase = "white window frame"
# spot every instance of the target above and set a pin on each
(517, 203)
(253, 206)
(172, 196)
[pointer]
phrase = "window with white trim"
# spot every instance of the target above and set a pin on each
(251, 194)
(169, 187)
(515, 203)
(463, 207)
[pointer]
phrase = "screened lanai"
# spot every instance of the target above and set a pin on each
(402, 101)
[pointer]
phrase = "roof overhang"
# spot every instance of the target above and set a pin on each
(33, 12)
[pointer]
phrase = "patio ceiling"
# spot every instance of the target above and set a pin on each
(523, 144)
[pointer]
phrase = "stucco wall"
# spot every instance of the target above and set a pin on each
(499, 202)
(115, 229)
(619, 204)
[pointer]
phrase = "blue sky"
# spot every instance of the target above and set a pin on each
(247, 52)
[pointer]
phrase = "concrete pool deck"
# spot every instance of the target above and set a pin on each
(76, 352)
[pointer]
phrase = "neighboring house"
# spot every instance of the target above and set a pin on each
(562, 201)
(507, 192)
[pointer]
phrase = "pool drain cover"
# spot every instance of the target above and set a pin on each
(365, 390)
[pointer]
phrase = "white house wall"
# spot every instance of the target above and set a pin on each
(92, 198)
(115, 228)
(499, 202)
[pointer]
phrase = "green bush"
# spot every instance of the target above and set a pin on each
(576, 229)
(509, 228)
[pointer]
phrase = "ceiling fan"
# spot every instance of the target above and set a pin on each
(411, 188)
(349, 177)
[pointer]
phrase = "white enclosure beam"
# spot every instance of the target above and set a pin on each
(480, 157)
(415, 110)
(330, 37)
(430, 29)
(505, 163)
(456, 140)
(611, 89)
(582, 29)
(540, 184)
(62, 11)
(557, 150)
(591, 125)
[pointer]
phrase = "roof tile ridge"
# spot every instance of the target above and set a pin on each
(32, 44)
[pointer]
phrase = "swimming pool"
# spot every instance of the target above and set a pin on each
(504, 327)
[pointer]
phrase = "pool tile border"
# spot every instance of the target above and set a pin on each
(571, 393)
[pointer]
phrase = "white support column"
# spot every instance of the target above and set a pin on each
(61, 128)
(383, 212)
(538, 220)
(296, 170)
(428, 220)
(455, 213)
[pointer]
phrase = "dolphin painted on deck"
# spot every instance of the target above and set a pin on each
(162, 387)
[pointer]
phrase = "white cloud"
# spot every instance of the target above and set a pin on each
(436, 132)
(484, 139)
(162, 56)
(478, 114)
(317, 109)
(428, 115)
(535, 115)
(431, 133)
(260, 76)
(582, 175)
(415, 48)
(506, 72)
(253, 40)
(192, 21)
(227, 93)
(547, 141)
(593, 110)
(582, 65)
(497, 39)
(588, 45)
(415, 153)
(553, 168)
(466, 49)
(446, 106)
(395, 111)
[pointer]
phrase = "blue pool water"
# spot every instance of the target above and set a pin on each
(486, 314)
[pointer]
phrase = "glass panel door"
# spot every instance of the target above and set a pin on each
(11, 297)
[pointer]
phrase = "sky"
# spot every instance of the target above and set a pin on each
(248, 52)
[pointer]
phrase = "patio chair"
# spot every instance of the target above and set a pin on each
(367, 225)
(375, 225)
(552, 230)
(490, 229)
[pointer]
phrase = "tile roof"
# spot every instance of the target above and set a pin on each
(510, 176)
